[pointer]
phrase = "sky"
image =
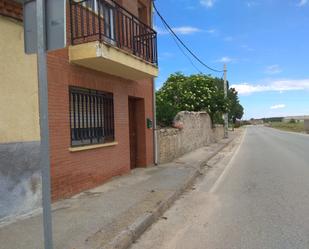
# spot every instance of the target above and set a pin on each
(265, 44)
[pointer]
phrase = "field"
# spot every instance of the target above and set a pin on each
(295, 127)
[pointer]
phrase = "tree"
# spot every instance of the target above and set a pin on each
(190, 93)
(236, 111)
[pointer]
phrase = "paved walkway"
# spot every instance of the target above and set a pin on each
(116, 213)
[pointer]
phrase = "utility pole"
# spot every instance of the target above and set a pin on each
(226, 121)
(44, 30)
(44, 131)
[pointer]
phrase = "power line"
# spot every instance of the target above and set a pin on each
(183, 52)
(182, 43)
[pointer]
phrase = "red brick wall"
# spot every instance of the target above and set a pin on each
(132, 6)
(73, 172)
(11, 9)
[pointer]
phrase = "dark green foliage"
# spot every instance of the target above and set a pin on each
(236, 111)
(191, 93)
(273, 119)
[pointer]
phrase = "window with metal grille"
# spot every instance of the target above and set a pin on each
(91, 116)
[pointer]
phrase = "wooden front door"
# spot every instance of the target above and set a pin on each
(133, 133)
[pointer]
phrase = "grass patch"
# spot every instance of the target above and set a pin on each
(295, 127)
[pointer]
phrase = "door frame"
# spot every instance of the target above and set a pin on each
(137, 132)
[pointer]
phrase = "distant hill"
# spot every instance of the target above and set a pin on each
(297, 118)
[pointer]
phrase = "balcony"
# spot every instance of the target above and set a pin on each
(108, 38)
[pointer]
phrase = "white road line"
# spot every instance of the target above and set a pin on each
(228, 167)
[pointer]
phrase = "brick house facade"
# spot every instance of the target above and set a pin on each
(73, 172)
(77, 164)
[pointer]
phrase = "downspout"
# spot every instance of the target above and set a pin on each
(155, 134)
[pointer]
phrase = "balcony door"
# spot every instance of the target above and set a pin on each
(107, 12)
(142, 13)
(109, 21)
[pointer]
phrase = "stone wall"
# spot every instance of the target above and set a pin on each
(194, 130)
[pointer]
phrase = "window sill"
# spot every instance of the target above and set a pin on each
(91, 147)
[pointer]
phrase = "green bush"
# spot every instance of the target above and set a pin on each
(190, 93)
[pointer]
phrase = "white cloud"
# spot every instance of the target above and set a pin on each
(279, 106)
(186, 30)
(207, 3)
(225, 59)
(275, 86)
(160, 31)
(183, 30)
(273, 69)
(251, 4)
(302, 3)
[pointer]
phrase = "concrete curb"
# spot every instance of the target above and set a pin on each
(128, 236)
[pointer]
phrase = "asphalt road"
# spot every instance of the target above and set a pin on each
(256, 196)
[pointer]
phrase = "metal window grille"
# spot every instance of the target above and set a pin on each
(91, 116)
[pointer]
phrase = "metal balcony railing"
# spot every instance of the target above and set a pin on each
(107, 21)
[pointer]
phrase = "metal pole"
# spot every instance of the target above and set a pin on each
(226, 121)
(43, 109)
(155, 135)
